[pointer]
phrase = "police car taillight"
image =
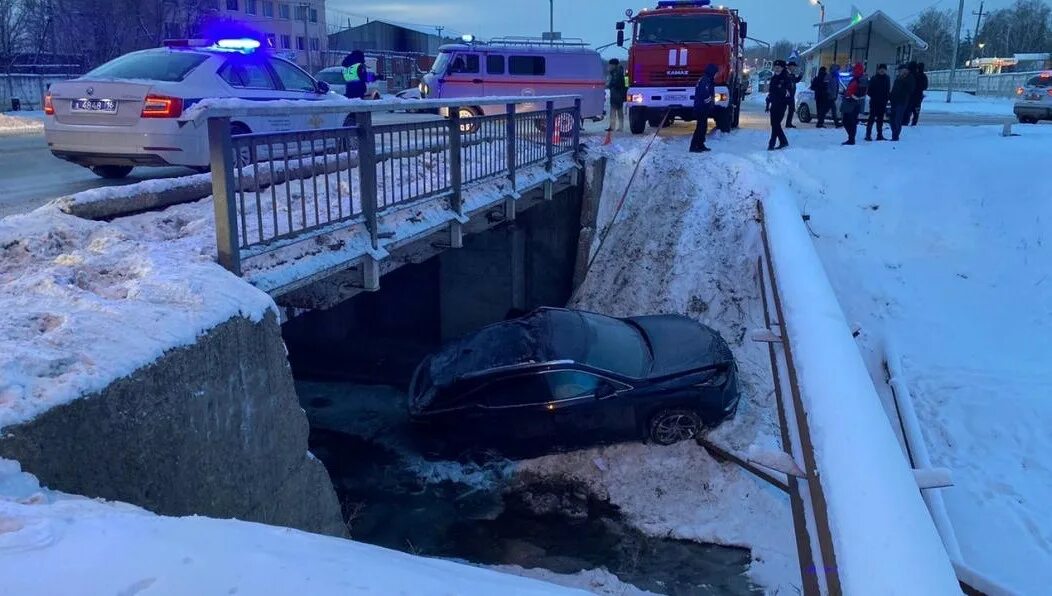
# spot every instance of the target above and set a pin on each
(160, 106)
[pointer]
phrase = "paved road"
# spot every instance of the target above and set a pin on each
(30, 176)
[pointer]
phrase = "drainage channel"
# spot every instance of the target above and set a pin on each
(478, 512)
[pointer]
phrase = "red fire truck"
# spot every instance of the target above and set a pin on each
(671, 46)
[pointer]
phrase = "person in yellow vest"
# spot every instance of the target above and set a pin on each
(355, 75)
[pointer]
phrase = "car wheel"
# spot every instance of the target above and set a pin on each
(803, 114)
(637, 120)
(669, 427)
(242, 157)
(466, 124)
(111, 172)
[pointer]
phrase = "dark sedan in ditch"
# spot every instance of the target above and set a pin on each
(566, 378)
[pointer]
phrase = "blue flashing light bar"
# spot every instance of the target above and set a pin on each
(683, 3)
(242, 44)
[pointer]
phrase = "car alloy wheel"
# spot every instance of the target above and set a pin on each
(673, 426)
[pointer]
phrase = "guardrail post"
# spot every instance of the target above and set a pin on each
(512, 142)
(221, 157)
(456, 171)
(549, 148)
(577, 124)
(367, 173)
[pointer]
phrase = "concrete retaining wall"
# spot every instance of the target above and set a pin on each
(213, 429)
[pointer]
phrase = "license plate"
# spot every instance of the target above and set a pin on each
(1034, 96)
(676, 97)
(103, 106)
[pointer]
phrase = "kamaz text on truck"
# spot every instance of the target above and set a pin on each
(671, 46)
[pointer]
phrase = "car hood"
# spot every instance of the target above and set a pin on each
(680, 344)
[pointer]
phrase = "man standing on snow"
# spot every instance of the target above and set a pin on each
(879, 91)
(833, 92)
(778, 99)
(704, 101)
(820, 87)
(618, 95)
(920, 81)
(794, 78)
(852, 105)
(901, 95)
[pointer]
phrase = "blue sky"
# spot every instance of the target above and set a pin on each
(594, 19)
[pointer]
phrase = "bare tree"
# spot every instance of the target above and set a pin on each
(936, 28)
(1026, 26)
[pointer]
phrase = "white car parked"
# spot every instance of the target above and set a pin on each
(128, 112)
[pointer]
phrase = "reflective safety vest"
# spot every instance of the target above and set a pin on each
(351, 73)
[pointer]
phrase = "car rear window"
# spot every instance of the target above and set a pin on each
(1042, 81)
(152, 66)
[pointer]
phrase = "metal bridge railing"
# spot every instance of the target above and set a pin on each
(271, 190)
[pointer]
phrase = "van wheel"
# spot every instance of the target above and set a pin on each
(723, 120)
(669, 427)
(111, 172)
(466, 117)
(803, 113)
(637, 120)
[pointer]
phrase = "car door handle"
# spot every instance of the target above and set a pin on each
(477, 81)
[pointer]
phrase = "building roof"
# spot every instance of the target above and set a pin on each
(424, 29)
(886, 26)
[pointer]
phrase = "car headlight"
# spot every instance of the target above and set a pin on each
(717, 379)
(425, 90)
(721, 97)
(636, 98)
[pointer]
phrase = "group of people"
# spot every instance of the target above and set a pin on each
(905, 95)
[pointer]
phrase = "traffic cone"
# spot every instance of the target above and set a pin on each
(609, 137)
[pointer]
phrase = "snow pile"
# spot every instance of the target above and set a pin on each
(953, 263)
(686, 242)
(114, 548)
(84, 303)
(23, 123)
(596, 581)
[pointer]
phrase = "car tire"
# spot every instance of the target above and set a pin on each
(469, 128)
(637, 120)
(803, 113)
(111, 172)
(672, 426)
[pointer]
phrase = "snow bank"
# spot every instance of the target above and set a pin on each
(21, 124)
(113, 548)
(83, 303)
(883, 535)
(954, 262)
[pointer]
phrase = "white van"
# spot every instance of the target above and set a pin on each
(518, 66)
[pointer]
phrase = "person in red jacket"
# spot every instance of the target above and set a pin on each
(851, 107)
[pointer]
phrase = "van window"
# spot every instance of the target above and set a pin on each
(526, 65)
(495, 65)
(465, 63)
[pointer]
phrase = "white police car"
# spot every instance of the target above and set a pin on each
(128, 112)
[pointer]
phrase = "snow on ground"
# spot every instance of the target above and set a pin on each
(83, 303)
(940, 242)
(596, 581)
(15, 123)
(43, 531)
(687, 242)
(963, 103)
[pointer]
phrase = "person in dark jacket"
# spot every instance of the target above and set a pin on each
(355, 75)
(879, 91)
(618, 95)
(704, 102)
(901, 96)
(920, 81)
(820, 87)
(833, 86)
(852, 104)
(794, 78)
(778, 97)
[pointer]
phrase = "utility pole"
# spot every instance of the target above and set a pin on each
(978, 23)
(551, 21)
(956, 49)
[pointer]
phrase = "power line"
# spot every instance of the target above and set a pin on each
(925, 9)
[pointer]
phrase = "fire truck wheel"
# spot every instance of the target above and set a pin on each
(637, 120)
(723, 120)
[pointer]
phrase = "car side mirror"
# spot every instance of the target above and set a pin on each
(744, 30)
(323, 87)
(621, 38)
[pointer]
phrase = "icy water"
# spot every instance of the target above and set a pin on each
(396, 499)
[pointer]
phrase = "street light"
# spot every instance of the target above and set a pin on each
(822, 9)
(982, 54)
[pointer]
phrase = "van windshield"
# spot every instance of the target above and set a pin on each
(703, 28)
(441, 63)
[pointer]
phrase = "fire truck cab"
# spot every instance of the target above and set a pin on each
(671, 46)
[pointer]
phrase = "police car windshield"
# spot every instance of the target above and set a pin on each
(707, 28)
(152, 66)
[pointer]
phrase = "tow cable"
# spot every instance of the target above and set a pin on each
(620, 205)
